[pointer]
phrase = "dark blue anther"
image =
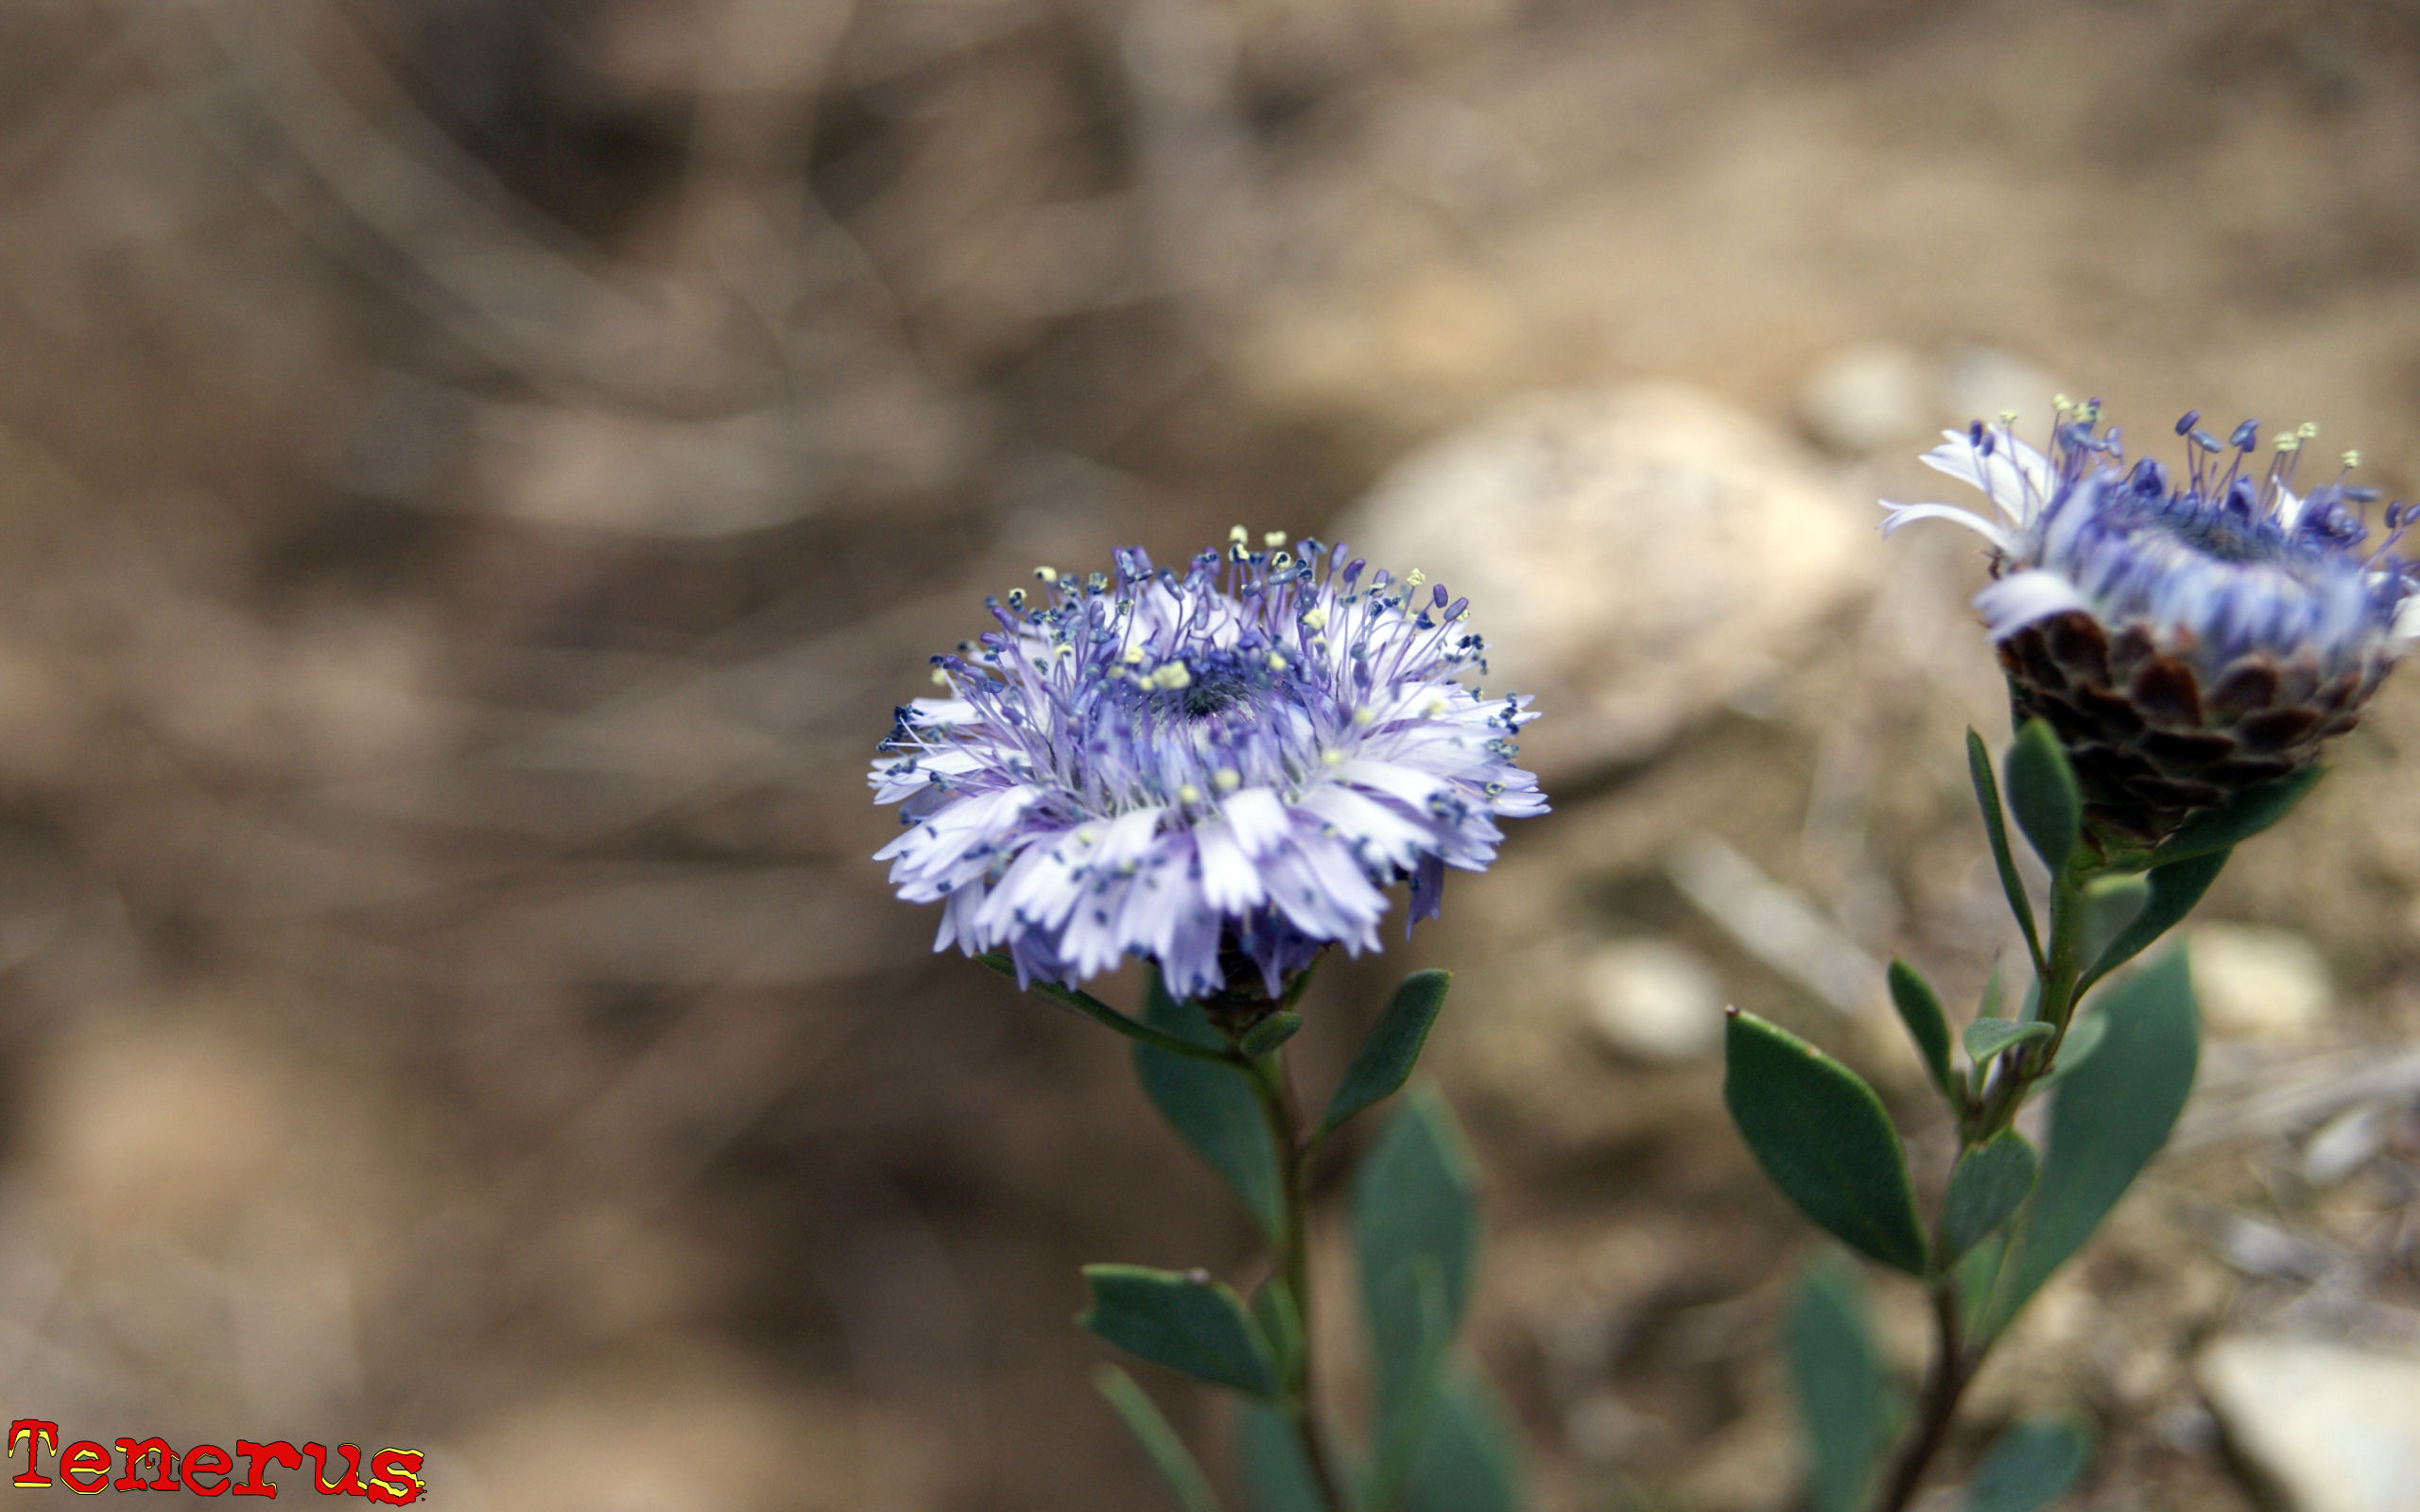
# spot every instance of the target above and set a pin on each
(2246, 436)
(1437, 596)
(2151, 479)
(2192, 418)
(2205, 441)
(1974, 433)
(2362, 494)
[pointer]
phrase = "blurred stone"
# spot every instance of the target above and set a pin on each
(2345, 1145)
(2259, 982)
(1639, 557)
(2337, 1429)
(1652, 1000)
(1863, 398)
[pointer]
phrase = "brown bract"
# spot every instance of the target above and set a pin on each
(2153, 737)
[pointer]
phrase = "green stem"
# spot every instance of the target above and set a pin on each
(1275, 1094)
(1957, 1361)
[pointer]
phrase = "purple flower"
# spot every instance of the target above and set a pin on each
(1202, 768)
(2187, 632)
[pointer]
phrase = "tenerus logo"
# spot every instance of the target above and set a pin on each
(152, 1464)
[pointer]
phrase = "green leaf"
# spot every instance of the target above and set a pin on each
(2108, 906)
(1405, 1417)
(1823, 1136)
(1275, 1474)
(1083, 1004)
(1990, 1183)
(1384, 1062)
(1212, 1107)
(1927, 1026)
(2176, 887)
(1987, 796)
(1986, 1038)
(1281, 1322)
(1183, 1320)
(2084, 1032)
(1844, 1398)
(2030, 1466)
(1167, 1453)
(2239, 818)
(1269, 1033)
(2043, 794)
(1995, 993)
(1415, 1236)
(2108, 1118)
(1470, 1458)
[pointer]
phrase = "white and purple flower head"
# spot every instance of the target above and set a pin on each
(1207, 768)
(2186, 632)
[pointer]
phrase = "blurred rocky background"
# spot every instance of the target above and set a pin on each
(475, 477)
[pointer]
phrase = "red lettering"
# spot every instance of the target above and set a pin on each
(84, 1457)
(207, 1459)
(350, 1485)
(164, 1460)
(258, 1457)
(394, 1476)
(33, 1433)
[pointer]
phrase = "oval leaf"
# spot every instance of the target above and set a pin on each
(1183, 1320)
(1384, 1062)
(1274, 1471)
(1986, 1038)
(1470, 1458)
(1989, 1185)
(1823, 1136)
(1844, 1398)
(2043, 794)
(2030, 1466)
(1927, 1026)
(1415, 1239)
(1212, 1107)
(1269, 1033)
(1987, 798)
(2108, 1118)
(2176, 886)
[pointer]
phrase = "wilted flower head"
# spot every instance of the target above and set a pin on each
(1219, 769)
(2186, 632)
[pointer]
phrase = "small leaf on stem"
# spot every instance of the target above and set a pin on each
(2176, 887)
(1989, 1184)
(1212, 1107)
(1392, 1046)
(2042, 792)
(1844, 1398)
(1986, 1038)
(1470, 1458)
(2030, 1466)
(1823, 1136)
(1183, 1320)
(1927, 1026)
(1269, 1033)
(1167, 1453)
(1987, 798)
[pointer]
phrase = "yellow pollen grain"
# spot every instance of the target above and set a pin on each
(1273, 538)
(1239, 534)
(1276, 663)
(1228, 779)
(1414, 578)
(2352, 460)
(2307, 431)
(1188, 793)
(1435, 705)
(1134, 656)
(1365, 715)
(2289, 442)
(1331, 758)
(941, 679)
(1048, 574)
